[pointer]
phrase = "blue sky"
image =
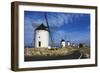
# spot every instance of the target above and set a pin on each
(74, 27)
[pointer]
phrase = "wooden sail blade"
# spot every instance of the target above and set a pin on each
(52, 44)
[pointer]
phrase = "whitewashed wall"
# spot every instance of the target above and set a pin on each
(43, 37)
(63, 43)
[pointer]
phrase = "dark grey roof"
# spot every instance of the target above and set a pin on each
(62, 40)
(68, 41)
(42, 27)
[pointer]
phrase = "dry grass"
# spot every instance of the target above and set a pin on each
(56, 52)
(48, 52)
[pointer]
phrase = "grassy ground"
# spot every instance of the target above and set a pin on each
(48, 52)
(56, 52)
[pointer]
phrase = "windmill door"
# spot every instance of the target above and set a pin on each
(39, 44)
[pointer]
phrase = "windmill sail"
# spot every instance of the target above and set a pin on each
(52, 44)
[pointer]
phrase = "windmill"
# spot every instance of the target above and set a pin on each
(35, 25)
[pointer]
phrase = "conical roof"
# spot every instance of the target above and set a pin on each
(42, 27)
(62, 40)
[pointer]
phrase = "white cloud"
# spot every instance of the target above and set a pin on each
(54, 19)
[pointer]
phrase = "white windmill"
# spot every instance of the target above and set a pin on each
(41, 37)
(63, 43)
(68, 43)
